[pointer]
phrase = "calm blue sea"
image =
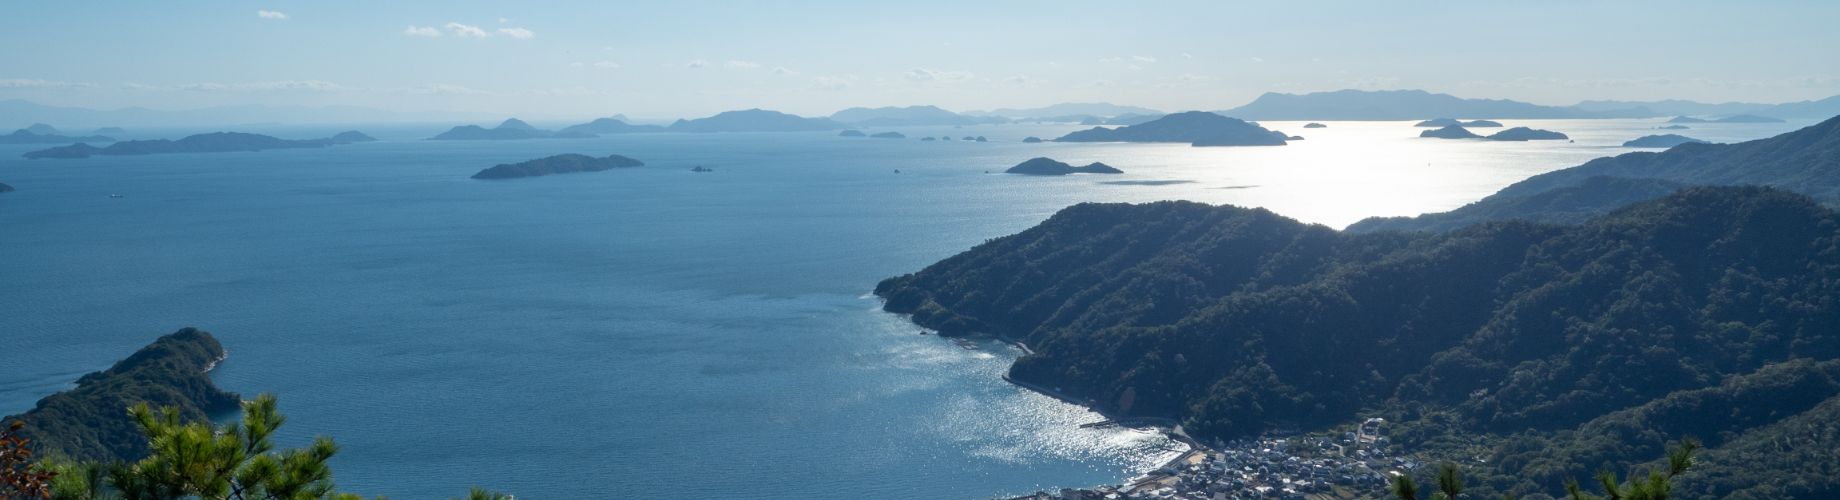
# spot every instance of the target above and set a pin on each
(647, 332)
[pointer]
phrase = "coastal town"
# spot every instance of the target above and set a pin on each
(1289, 466)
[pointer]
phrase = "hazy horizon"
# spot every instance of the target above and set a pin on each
(581, 59)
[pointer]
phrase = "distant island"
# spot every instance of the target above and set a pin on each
(754, 120)
(889, 135)
(1659, 141)
(1673, 127)
(1198, 128)
(928, 138)
(5, 188)
(1805, 161)
(90, 421)
(510, 130)
(216, 142)
(1069, 112)
(1726, 119)
(1446, 122)
(611, 125)
(1314, 125)
(908, 117)
(1031, 139)
(1047, 166)
(27, 136)
(109, 131)
(851, 133)
(1450, 132)
(559, 164)
(1526, 134)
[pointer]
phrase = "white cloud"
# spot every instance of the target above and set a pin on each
(930, 75)
(783, 71)
(832, 82)
(1258, 59)
(696, 63)
(1110, 59)
(269, 14)
(518, 33)
(33, 83)
(441, 89)
(606, 64)
(1186, 55)
(1146, 59)
(503, 20)
(427, 31)
(734, 64)
(274, 86)
(466, 31)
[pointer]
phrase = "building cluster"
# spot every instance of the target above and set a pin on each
(1298, 467)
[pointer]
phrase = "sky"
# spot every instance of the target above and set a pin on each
(693, 58)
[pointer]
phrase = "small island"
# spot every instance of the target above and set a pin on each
(1438, 122)
(1198, 128)
(981, 139)
(1314, 125)
(1048, 166)
(1482, 123)
(1449, 132)
(215, 142)
(1747, 119)
(1673, 127)
(5, 188)
(1031, 139)
(1527, 134)
(1660, 141)
(851, 133)
(1688, 119)
(559, 164)
(889, 135)
(928, 138)
(701, 169)
(510, 130)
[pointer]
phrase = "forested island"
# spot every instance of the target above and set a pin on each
(1049, 166)
(215, 142)
(611, 125)
(1806, 161)
(90, 421)
(1534, 352)
(1198, 128)
(559, 164)
(1526, 134)
(1659, 141)
(1449, 132)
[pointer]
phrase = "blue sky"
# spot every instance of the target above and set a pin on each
(681, 58)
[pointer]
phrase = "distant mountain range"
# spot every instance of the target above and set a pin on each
(1419, 104)
(1198, 128)
(216, 142)
(1805, 161)
(17, 112)
(754, 120)
(1404, 105)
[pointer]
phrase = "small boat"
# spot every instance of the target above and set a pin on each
(700, 168)
(897, 170)
(114, 196)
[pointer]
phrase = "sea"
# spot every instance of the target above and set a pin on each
(648, 332)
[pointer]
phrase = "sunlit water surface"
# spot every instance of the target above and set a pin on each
(648, 332)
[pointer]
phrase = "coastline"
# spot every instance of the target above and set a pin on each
(1170, 428)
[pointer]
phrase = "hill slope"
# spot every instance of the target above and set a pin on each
(1237, 320)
